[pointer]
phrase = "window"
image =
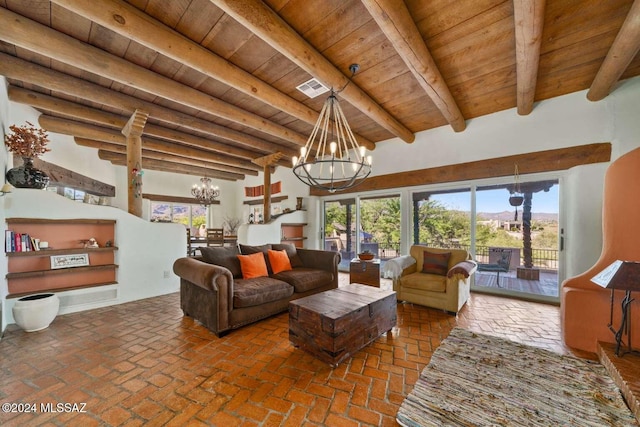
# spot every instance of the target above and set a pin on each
(442, 218)
(192, 216)
(380, 226)
(528, 231)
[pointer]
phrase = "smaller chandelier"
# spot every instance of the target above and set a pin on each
(206, 193)
(339, 161)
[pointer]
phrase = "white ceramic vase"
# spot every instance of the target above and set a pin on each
(36, 312)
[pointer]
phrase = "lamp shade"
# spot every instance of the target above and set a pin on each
(623, 275)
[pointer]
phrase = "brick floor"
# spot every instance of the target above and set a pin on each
(143, 363)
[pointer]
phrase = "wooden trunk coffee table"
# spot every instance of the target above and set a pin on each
(333, 325)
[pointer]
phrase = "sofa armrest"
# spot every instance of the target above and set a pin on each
(321, 260)
(208, 276)
(464, 268)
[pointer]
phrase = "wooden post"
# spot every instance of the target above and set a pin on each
(267, 162)
(133, 131)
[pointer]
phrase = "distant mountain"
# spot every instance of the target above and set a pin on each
(508, 216)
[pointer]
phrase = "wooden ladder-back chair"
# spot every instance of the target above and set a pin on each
(215, 237)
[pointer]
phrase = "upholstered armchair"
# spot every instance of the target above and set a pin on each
(433, 277)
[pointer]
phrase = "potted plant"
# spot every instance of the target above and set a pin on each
(231, 225)
(28, 142)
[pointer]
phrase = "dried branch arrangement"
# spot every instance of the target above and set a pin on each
(27, 141)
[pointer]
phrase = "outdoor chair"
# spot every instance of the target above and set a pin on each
(502, 265)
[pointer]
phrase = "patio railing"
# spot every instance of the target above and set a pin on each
(542, 258)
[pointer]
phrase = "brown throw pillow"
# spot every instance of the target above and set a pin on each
(436, 263)
(226, 257)
(249, 249)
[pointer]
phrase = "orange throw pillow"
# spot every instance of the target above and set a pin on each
(279, 261)
(253, 265)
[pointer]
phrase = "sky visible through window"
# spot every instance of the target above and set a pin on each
(498, 201)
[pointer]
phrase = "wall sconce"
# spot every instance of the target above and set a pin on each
(621, 275)
(6, 188)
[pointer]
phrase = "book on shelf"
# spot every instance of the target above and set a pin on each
(19, 242)
(9, 244)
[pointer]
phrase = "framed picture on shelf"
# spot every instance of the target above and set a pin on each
(68, 261)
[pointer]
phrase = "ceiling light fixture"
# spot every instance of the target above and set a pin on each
(206, 193)
(339, 162)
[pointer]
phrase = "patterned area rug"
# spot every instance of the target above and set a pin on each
(478, 380)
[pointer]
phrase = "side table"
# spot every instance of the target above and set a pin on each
(365, 272)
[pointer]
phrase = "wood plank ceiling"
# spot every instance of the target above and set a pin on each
(218, 77)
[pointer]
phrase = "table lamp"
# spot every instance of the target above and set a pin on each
(621, 275)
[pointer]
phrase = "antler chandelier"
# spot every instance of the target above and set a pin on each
(339, 161)
(206, 193)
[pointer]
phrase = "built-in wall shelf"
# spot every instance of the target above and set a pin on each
(42, 273)
(60, 221)
(74, 288)
(293, 233)
(49, 252)
(30, 271)
(260, 201)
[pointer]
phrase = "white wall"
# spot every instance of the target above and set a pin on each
(146, 251)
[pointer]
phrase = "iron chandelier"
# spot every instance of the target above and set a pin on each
(206, 193)
(339, 161)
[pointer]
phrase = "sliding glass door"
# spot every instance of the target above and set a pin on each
(339, 229)
(376, 219)
(380, 226)
(514, 237)
(442, 219)
(516, 242)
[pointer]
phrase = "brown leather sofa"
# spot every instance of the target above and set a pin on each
(213, 291)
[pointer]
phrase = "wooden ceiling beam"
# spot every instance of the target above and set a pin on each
(624, 48)
(18, 69)
(396, 23)
(84, 130)
(132, 23)
(258, 18)
(63, 177)
(536, 162)
(529, 22)
(38, 38)
(82, 112)
(158, 155)
(159, 165)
